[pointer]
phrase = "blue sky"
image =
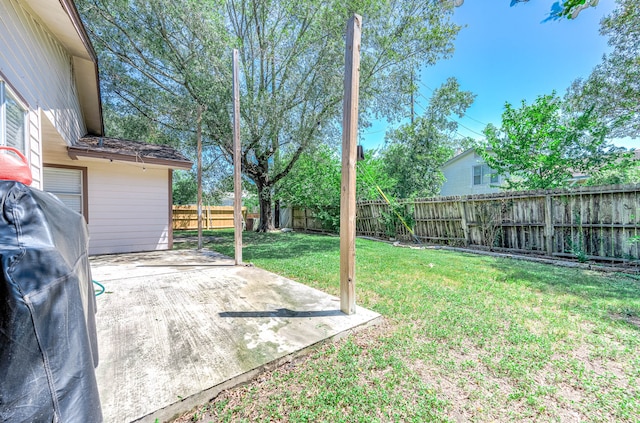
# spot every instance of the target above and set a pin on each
(509, 54)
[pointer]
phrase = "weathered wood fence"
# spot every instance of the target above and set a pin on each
(600, 223)
(213, 217)
(306, 220)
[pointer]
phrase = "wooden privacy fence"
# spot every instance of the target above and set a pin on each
(305, 219)
(600, 223)
(213, 217)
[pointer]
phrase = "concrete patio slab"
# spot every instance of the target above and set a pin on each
(177, 327)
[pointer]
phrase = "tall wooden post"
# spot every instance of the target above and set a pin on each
(349, 158)
(199, 174)
(237, 169)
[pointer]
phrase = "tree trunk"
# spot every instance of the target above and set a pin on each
(264, 195)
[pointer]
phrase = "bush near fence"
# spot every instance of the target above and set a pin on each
(587, 223)
(213, 217)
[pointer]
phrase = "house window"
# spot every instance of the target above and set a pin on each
(69, 185)
(13, 118)
(484, 175)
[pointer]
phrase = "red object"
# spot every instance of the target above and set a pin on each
(13, 169)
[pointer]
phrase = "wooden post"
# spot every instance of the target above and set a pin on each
(199, 176)
(349, 157)
(548, 223)
(237, 169)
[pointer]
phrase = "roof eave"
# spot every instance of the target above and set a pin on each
(65, 24)
(76, 152)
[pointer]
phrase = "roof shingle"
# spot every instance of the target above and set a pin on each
(127, 150)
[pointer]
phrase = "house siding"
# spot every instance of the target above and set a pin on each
(458, 175)
(127, 208)
(38, 68)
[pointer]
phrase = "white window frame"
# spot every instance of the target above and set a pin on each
(6, 92)
(82, 195)
(485, 171)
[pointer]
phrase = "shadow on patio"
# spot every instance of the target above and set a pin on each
(177, 327)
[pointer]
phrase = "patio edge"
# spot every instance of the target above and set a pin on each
(175, 410)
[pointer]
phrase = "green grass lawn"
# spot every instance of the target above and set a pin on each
(466, 338)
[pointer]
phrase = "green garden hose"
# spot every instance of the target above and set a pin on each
(101, 288)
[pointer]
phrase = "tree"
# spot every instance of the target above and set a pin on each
(373, 177)
(185, 188)
(164, 59)
(415, 152)
(568, 9)
(625, 170)
(541, 145)
(612, 90)
(314, 183)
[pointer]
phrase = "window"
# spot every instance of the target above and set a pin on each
(13, 118)
(484, 175)
(69, 185)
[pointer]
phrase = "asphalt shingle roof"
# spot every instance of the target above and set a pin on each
(128, 150)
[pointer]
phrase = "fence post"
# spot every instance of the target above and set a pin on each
(548, 224)
(463, 221)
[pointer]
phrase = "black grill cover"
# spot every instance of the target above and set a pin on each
(48, 347)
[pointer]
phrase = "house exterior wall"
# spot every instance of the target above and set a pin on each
(128, 207)
(38, 68)
(458, 173)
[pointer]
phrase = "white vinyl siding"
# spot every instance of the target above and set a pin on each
(460, 176)
(13, 118)
(39, 69)
(128, 208)
(66, 184)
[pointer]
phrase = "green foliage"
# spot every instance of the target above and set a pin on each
(540, 146)
(314, 184)
(571, 8)
(126, 125)
(398, 215)
(562, 9)
(163, 60)
(415, 152)
(185, 188)
(372, 176)
(613, 88)
(625, 170)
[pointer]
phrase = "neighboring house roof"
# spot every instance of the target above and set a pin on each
(458, 157)
(65, 24)
(129, 151)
